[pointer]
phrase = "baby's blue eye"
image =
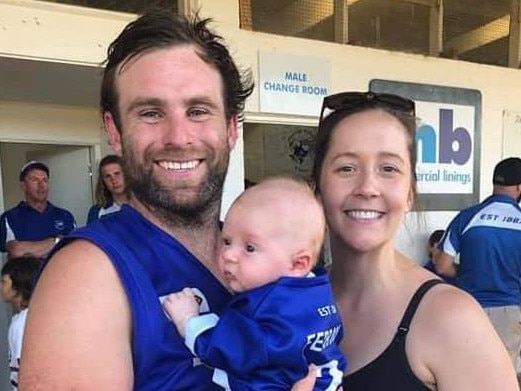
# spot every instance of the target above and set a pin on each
(250, 248)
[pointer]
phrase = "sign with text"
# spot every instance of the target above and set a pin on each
(447, 142)
(290, 84)
(445, 148)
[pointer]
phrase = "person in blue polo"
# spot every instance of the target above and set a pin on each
(487, 237)
(35, 225)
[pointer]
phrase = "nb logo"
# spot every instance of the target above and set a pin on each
(452, 145)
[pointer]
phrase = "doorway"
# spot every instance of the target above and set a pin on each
(70, 175)
(70, 188)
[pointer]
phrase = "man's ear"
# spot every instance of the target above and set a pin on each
(112, 132)
(233, 131)
(302, 263)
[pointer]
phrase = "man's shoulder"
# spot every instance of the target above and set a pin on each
(19, 208)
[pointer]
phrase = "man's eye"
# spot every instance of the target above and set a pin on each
(250, 248)
(150, 115)
(197, 112)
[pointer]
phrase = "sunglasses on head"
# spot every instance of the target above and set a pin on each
(353, 100)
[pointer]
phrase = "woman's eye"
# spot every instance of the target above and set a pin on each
(346, 169)
(250, 248)
(390, 169)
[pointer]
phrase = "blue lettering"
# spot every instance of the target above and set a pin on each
(322, 91)
(295, 76)
(282, 87)
(447, 138)
(426, 138)
(452, 145)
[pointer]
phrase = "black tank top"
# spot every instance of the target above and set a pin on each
(391, 370)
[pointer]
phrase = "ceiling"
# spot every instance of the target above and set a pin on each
(48, 82)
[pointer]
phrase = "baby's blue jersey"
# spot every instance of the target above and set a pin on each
(487, 238)
(151, 264)
(267, 337)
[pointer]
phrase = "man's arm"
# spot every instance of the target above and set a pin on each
(445, 264)
(38, 249)
(78, 326)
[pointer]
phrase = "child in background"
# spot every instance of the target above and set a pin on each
(432, 249)
(17, 283)
(283, 317)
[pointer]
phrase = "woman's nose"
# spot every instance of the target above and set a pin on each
(367, 185)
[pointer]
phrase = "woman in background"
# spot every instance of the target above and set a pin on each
(111, 190)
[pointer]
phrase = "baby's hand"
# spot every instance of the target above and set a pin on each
(181, 307)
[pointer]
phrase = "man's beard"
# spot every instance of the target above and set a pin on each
(161, 200)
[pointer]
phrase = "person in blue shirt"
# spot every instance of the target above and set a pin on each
(283, 316)
(35, 225)
(487, 237)
(111, 190)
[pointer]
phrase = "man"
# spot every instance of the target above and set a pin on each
(487, 238)
(35, 225)
(171, 98)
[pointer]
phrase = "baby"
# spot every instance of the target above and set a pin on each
(283, 317)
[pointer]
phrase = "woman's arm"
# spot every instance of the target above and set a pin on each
(456, 344)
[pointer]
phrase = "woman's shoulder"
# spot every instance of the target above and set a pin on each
(449, 310)
(447, 328)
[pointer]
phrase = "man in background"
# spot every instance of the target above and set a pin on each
(35, 225)
(487, 237)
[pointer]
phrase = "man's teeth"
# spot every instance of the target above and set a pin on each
(364, 214)
(179, 165)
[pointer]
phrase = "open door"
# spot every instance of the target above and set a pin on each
(70, 178)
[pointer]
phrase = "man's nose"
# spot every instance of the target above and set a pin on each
(177, 131)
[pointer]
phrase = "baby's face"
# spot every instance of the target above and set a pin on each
(251, 254)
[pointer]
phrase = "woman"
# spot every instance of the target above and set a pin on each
(365, 157)
(110, 189)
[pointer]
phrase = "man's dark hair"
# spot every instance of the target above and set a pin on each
(23, 272)
(159, 29)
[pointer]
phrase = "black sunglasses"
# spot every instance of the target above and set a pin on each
(351, 100)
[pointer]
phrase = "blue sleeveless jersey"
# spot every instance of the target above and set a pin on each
(487, 237)
(152, 264)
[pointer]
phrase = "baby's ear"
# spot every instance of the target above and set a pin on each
(302, 263)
